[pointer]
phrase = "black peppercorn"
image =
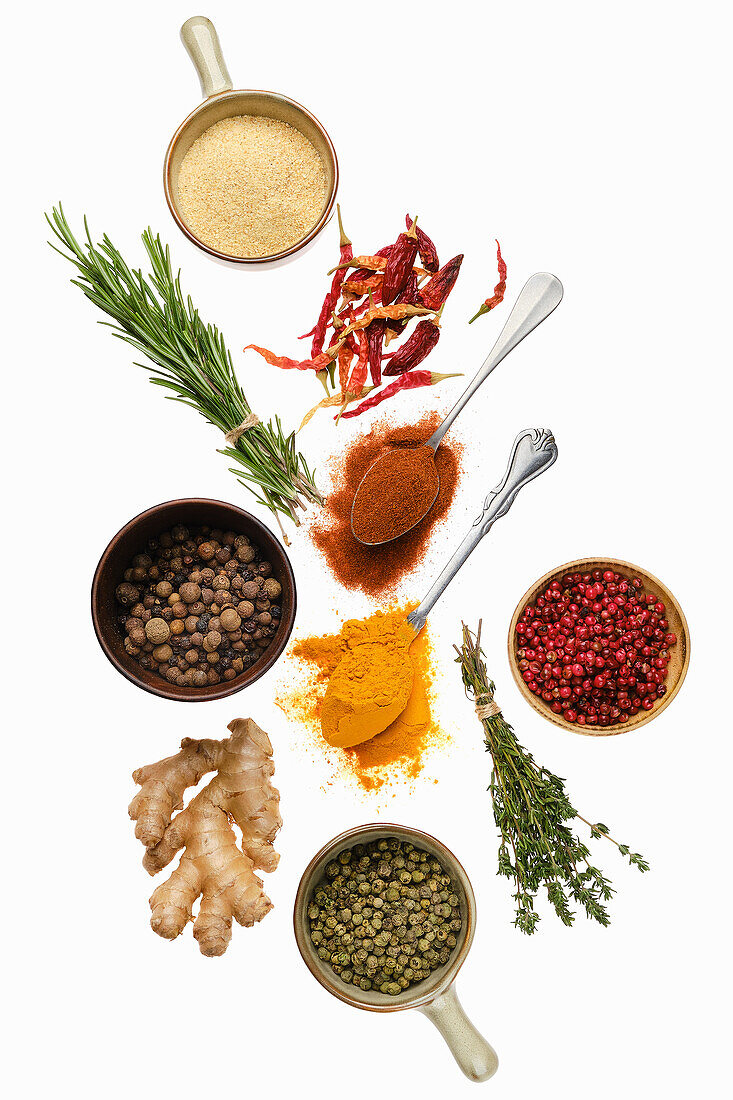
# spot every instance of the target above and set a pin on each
(172, 583)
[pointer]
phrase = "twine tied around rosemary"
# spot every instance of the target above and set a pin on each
(250, 421)
(486, 707)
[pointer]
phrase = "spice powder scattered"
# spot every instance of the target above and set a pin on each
(398, 752)
(251, 186)
(376, 570)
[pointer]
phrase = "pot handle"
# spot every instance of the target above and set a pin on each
(202, 43)
(474, 1055)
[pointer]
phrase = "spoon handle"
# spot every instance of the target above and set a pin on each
(539, 296)
(533, 452)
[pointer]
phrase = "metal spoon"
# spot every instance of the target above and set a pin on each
(540, 295)
(533, 452)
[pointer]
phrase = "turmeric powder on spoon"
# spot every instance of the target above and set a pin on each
(372, 683)
(398, 753)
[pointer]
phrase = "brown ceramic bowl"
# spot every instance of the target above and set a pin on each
(679, 653)
(435, 996)
(132, 539)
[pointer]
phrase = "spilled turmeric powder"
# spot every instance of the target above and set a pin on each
(397, 752)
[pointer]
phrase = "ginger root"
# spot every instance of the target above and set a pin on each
(212, 865)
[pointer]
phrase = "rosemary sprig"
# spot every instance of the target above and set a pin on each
(190, 359)
(531, 808)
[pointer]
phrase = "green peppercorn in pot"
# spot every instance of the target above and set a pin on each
(384, 916)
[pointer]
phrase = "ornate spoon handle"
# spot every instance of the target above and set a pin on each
(533, 452)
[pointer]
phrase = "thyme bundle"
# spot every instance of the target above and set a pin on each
(531, 808)
(190, 359)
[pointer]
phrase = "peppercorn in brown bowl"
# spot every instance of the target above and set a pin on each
(196, 652)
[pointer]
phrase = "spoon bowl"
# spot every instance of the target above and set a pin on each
(539, 296)
(378, 511)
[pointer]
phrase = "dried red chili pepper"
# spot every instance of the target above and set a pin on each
(435, 292)
(331, 300)
(398, 311)
(426, 248)
(347, 351)
(363, 286)
(404, 382)
(375, 338)
(408, 295)
(368, 263)
(416, 348)
(329, 402)
(399, 264)
(359, 373)
(380, 255)
(348, 348)
(499, 289)
(322, 361)
(351, 311)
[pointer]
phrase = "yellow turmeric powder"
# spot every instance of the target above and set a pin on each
(399, 749)
(370, 686)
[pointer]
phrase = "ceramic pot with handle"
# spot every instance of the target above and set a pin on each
(222, 101)
(436, 995)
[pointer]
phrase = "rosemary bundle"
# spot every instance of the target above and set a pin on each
(531, 809)
(190, 359)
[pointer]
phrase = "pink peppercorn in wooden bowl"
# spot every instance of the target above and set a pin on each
(133, 538)
(677, 654)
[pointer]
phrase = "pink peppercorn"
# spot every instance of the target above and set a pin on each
(595, 647)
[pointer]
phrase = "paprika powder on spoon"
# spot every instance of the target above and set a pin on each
(399, 491)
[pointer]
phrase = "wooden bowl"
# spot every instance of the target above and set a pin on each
(132, 539)
(679, 653)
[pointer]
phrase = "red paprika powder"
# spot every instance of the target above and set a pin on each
(376, 570)
(396, 494)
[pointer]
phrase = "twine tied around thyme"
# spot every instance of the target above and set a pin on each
(486, 707)
(250, 421)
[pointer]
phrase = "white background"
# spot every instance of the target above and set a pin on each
(591, 139)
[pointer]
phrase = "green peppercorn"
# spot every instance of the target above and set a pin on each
(384, 915)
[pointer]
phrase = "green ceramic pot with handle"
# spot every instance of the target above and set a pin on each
(436, 995)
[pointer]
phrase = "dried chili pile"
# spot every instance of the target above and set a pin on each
(371, 301)
(376, 570)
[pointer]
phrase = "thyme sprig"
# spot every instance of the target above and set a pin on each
(190, 359)
(537, 848)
